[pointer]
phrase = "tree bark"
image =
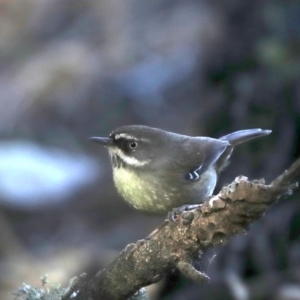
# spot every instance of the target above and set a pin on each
(177, 243)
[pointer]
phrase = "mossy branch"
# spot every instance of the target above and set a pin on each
(176, 244)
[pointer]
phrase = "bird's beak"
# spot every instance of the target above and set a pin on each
(105, 141)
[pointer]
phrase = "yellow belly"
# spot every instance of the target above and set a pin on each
(155, 195)
(140, 193)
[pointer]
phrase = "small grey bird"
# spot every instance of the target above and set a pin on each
(156, 170)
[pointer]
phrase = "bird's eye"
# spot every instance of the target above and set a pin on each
(133, 145)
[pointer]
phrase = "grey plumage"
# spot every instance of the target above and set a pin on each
(156, 170)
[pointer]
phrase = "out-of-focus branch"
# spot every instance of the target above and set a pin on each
(177, 243)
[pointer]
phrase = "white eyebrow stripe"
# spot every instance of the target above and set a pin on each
(124, 136)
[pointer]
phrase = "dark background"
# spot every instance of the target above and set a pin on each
(71, 69)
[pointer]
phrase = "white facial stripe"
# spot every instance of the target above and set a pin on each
(132, 161)
(129, 137)
(124, 136)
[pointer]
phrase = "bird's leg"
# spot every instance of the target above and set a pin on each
(177, 211)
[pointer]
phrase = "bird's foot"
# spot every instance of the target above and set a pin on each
(174, 215)
(132, 247)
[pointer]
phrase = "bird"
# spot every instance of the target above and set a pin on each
(156, 171)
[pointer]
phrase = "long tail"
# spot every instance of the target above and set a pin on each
(234, 139)
(241, 136)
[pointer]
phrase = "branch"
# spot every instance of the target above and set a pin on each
(178, 243)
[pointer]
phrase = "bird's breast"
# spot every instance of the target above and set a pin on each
(138, 191)
(160, 193)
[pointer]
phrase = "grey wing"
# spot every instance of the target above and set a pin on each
(200, 153)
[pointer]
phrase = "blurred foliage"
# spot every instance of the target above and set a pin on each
(71, 69)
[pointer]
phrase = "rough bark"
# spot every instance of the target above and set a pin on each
(178, 243)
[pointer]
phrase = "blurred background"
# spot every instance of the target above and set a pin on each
(71, 69)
